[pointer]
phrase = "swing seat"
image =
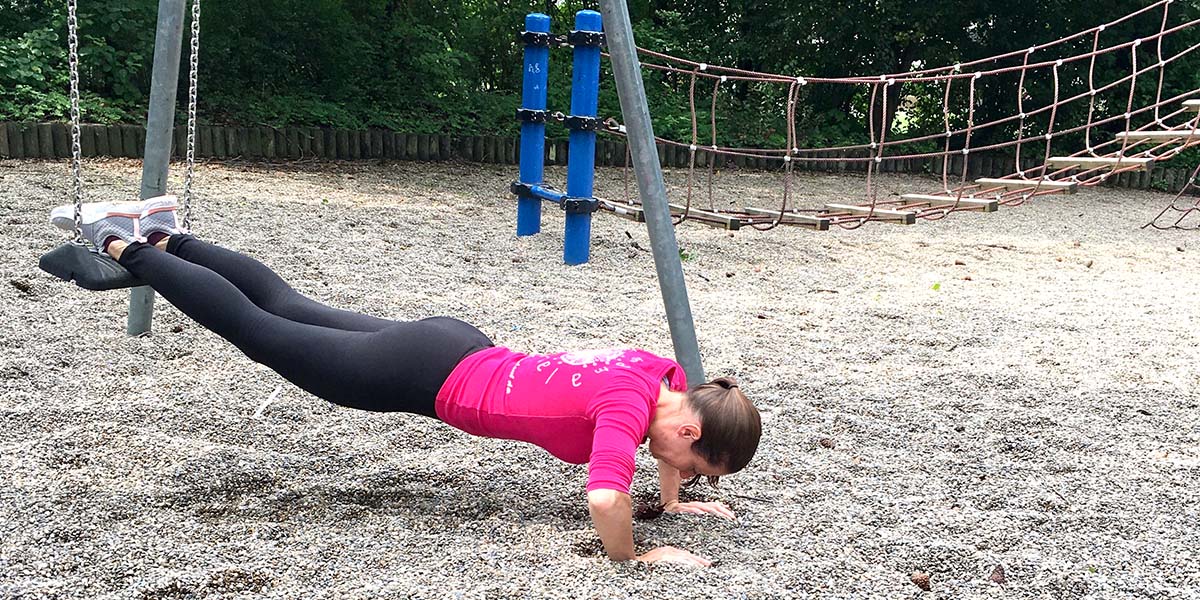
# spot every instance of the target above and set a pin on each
(87, 269)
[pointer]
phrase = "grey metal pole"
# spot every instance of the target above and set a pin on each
(628, 73)
(160, 124)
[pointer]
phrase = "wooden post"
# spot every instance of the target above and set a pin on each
(376, 142)
(253, 145)
(435, 148)
(218, 141)
(485, 150)
(510, 151)
(401, 144)
(87, 140)
(270, 148)
(292, 136)
(278, 145)
(115, 145)
(25, 139)
(444, 151)
(16, 140)
(45, 140)
(329, 138)
(389, 145)
(364, 143)
(410, 146)
(477, 149)
(341, 144)
(303, 142)
(232, 149)
(422, 146)
(101, 133)
(206, 141)
(129, 142)
(316, 142)
(61, 139)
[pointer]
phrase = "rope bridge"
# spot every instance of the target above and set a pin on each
(1156, 131)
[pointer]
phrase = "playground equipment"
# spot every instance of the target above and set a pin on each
(577, 202)
(1150, 134)
(76, 260)
(1168, 125)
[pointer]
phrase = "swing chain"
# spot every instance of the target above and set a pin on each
(73, 43)
(193, 69)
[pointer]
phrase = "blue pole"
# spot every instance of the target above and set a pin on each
(581, 161)
(533, 131)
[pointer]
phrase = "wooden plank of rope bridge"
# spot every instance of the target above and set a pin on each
(902, 217)
(1158, 136)
(628, 211)
(634, 212)
(1021, 184)
(709, 218)
(965, 203)
(791, 218)
(1067, 162)
(1191, 104)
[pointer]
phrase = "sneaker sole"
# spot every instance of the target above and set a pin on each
(159, 204)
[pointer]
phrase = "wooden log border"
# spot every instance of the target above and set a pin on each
(20, 140)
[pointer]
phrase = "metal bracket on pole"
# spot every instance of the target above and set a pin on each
(632, 93)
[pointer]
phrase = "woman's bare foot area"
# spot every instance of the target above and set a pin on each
(116, 248)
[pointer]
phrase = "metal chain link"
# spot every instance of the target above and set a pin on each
(193, 65)
(73, 43)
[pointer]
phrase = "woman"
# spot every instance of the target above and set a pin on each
(595, 407)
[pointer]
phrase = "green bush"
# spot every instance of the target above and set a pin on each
(454, 66)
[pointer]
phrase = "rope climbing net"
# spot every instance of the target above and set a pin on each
(1129, 124)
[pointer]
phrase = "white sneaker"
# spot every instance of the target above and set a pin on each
(102, 220)
(63, 217)
(158, 215)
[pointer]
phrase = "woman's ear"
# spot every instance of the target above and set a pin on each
(689, 431)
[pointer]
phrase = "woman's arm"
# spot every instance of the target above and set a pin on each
(668, 482)
(612, 513)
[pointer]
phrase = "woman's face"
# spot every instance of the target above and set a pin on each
(675, 449)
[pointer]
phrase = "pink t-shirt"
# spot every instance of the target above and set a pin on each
(590, 406)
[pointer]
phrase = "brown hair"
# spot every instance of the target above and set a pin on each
(730, 425)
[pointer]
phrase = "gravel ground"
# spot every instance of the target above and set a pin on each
(1013, 390)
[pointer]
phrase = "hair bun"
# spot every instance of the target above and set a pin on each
(726, 382)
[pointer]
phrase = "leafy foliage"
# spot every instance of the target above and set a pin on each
(454, 66)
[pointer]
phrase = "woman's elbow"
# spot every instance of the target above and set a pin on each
(607, 501)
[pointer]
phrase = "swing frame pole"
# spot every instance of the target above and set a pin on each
(640, 132)
(160, 127)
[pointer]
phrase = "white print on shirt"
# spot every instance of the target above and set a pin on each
(512, 376)
(588, 357)
(578, 358)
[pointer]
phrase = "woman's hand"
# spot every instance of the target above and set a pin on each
(699, 508)
(674, 555)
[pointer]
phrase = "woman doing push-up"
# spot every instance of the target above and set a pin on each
(592, 407)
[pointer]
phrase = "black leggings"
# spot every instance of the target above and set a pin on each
(351, 359)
